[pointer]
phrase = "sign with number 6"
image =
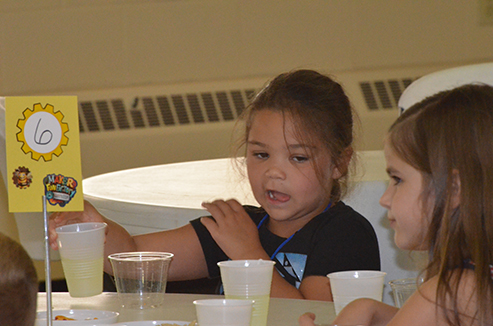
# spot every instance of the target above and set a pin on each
(43, 153)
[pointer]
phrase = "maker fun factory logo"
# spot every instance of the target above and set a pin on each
(59, 189)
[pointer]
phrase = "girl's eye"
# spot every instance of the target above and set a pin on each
(396, 180)
(261, 155)
(300, 159)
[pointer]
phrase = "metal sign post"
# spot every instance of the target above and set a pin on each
(49, 310)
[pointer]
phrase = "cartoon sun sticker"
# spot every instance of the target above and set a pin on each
(22, 177)
(59, 189)
(42, 132)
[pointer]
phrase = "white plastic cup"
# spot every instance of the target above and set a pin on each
(351, 285)
(402, 289)
(251, 280)
(141, 278)
(82, 251)
(223, 312)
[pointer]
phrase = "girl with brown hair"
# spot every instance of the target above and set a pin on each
(439, 157)
(297, 143)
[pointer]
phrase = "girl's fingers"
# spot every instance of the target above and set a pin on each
(59, 219)
(235, 205)
(214, 211)
(307, 319)
(53, 243)
(218, 204)
(218, 209)
(209, 223)
(223, 207)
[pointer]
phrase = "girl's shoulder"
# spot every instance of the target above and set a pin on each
(256, 213)
(469, 264)
(340, 220)
(340, 213)
(463, 277)
(340, 209)
(422, 308)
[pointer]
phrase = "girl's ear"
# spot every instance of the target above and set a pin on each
(341, 166)
(455, 198)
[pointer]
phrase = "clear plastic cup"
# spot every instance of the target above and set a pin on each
(402, 289)
(223, 312)
(249, 279)
(141, 278)
(351, 285)
(82, 251)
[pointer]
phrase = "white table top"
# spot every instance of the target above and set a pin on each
(282, 312)
(167, 196)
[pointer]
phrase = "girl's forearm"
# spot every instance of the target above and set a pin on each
(366, 312)
(383, 313)
(117, 240)
(282, 289)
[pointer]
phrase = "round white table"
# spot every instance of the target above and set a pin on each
(167, 196)
(282, 312)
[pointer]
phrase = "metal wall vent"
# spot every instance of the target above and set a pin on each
(162, 110)
(384, 94)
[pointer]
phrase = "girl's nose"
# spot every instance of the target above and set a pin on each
(275, 172)
(386, 198)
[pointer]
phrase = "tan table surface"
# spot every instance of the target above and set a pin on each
(283, 312)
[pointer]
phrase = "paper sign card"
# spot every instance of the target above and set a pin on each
(43, 153)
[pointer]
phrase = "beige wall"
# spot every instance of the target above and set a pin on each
(50, 46)
(64, 45)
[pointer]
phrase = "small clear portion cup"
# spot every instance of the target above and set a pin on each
(141, 278)
(402, 289)
(223, 312)
(351, 285)
(81, 248)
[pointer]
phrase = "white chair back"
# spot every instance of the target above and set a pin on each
(443, 80)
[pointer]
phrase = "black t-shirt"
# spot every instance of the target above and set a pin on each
(336, 240)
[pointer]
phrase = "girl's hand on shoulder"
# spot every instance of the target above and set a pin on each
(233, 229)
(90, 214)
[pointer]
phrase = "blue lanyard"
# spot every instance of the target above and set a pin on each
(287, 240)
